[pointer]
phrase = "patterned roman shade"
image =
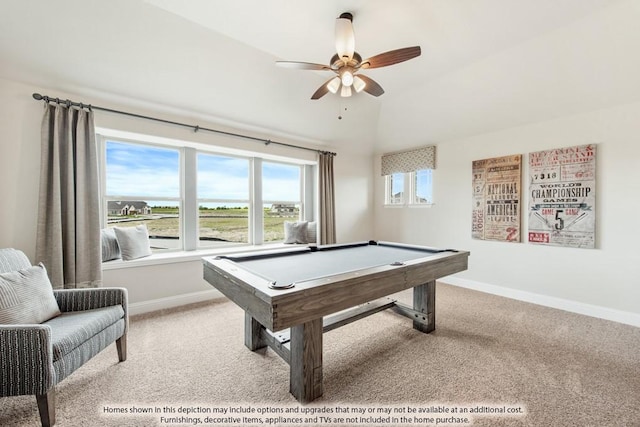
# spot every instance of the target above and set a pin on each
(409, 161)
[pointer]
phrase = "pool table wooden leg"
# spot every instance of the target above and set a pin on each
(424, 301)
(305, 381)
(252, 337)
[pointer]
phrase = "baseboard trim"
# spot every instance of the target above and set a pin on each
(547, 301)
(619, 316)
(173, 301)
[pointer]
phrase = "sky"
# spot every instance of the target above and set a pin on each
(152, 172)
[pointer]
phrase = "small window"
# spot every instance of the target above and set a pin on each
(409, 189)
(395, 189)
(423, 187)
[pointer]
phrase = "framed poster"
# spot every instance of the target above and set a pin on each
(496, 198)
(562, 196)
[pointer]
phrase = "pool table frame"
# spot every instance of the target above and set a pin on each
(292, 321)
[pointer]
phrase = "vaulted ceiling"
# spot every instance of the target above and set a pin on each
(485, 64)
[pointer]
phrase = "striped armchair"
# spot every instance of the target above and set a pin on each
(36, 357)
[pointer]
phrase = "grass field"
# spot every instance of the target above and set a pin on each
(230, 225)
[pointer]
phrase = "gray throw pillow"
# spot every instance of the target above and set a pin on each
(295, 232)
(26, 297)
(110, 248)
(133, 242)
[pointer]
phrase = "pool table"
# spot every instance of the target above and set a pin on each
(291, 296)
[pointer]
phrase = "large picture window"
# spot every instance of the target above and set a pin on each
(142, 186)
(281, 197)
(223, 200)
(192, 198)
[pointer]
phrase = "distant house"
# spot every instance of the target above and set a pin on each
(397, 198)
(128, 208)
(283, 208)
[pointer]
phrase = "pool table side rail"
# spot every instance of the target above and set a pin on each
(317, 298)
(311, 299)
(240, 287)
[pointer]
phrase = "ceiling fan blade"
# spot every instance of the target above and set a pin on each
(345, 38)
(302, 65)
(322, 90)
(371, 87)
(391, 57)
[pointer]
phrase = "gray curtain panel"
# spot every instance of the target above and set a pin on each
(327, 199)
(68, 241)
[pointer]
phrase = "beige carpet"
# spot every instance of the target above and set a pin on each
(562, 369)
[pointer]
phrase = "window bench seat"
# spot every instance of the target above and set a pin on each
(186, 256)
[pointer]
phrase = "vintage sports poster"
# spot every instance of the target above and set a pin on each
(562, 196)
(496, 198)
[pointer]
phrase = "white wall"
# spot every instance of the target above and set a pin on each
(150, 286)
(603, 282)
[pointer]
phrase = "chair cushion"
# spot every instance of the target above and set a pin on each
(26, 296)
(71, 329)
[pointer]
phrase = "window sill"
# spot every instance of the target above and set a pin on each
(185, 256)
(410, 205)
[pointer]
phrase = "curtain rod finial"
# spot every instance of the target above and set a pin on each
(37, 96)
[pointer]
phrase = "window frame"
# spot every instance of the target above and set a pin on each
(409, 196)
(106, 198)
(198, 200)
(299, 202)
(189, 201)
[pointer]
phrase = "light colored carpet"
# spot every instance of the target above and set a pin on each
(563, 369)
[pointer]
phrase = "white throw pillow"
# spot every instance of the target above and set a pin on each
(26, 297)
(295, 232)
(312, 232)
(133, 242)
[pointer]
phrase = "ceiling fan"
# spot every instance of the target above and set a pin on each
(347, 63)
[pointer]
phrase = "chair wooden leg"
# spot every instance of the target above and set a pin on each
(121, 344)
(47, 407)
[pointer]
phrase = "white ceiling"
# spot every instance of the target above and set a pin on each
(485, 64)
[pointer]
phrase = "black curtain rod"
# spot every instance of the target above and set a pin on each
(195, 128)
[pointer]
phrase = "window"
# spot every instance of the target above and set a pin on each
(223, 200)
(395, 189)
(423, 187)
(142, 186)
(281, 197)
(195, 198)
(408, 176)
(412, 188)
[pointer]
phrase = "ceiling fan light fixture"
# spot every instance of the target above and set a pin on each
(345, 92)
(347, 77)
(334, 85)
(358, 84)
(345, 39)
